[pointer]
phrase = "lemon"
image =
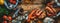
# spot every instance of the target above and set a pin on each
(1, 2)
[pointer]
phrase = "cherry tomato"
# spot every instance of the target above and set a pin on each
(5, 22)
(12, 1)
(9, 17)
(5, 17)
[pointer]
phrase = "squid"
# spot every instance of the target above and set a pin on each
(36, 13)
(50, 10)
